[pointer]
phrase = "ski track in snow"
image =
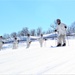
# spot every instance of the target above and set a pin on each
(50, 67)
(37, 60)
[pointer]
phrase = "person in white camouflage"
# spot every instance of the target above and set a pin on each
(1, 42)
(61, 31)
(41, 40)
(15, 43)
(28, 41)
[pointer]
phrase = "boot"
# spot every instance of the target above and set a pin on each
(59, 45)
(64, 44)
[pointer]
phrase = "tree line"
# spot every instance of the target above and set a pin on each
(37, 32)
(25, 31)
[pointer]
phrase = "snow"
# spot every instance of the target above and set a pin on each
(38, 60)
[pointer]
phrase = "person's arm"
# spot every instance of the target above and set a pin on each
(64, 25)
(56, 29)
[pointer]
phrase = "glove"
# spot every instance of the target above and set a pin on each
(55, 30)
(3, 42)
(65, 26)
(45, 39)
(30, 41)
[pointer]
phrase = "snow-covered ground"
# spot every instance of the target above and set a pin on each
(37, 60)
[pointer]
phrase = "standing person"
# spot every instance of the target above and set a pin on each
(1, 42)
(41, 40)
(15, 43)
(28, 41)
(61, 30)
(45, 42)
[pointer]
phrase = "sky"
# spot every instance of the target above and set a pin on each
(17, 14)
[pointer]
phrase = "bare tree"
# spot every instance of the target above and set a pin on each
(24, 31)
(69, 31)
(48, 31)
(43, 32)
(6, 36)
(19, 34)
(39, 31)
(14, 34)
(72, 28)
(33, 32)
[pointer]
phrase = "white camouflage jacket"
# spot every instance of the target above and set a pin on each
(61, 29)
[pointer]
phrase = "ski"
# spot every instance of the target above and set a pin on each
(56, 46)
(53, 46)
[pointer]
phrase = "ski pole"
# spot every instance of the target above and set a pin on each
(67, 39)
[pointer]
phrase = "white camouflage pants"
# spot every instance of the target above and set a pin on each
(1, 44)
(61, 39)
(15, 45)
(41, 43)
(28, 44)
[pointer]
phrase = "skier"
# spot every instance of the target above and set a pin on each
(41, 40)
(61, 31)
(15, 43)
(28, 41)
(1, 42)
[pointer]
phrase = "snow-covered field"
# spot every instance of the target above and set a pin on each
(37, 60)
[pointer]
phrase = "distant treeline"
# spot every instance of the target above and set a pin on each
(38, 31)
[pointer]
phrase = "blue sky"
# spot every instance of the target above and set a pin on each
(16, 14)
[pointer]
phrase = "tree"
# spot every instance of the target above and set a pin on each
(69, 30)
(33, 33)
(24, 31)
(14, 34)
(19, 34)
(39, 31)
(48, 31)
(6, 36)
(72, 28)
(43, 32)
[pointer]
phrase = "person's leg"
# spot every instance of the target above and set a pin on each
(1, 45)
(64, 40)
(40, 43)
(59, 41)
(28, 45)
(14, 45)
